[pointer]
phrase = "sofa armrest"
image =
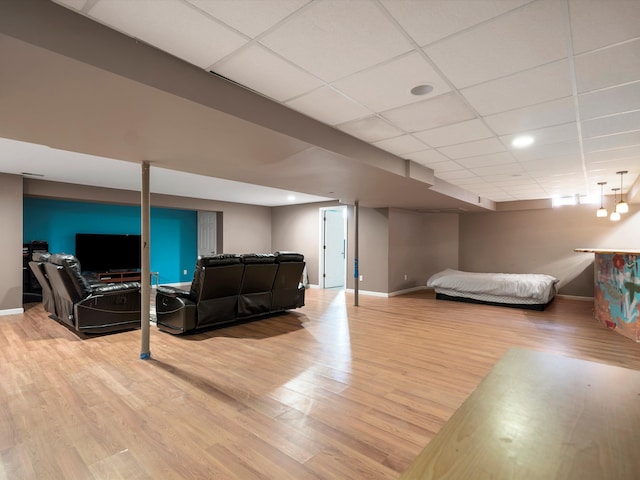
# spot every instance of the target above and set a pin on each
(173, 291)
(107, 288)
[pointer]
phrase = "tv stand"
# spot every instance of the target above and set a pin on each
(119, 276)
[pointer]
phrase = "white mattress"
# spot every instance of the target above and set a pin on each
(522, 288)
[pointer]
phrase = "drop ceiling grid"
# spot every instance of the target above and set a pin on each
(350, 64)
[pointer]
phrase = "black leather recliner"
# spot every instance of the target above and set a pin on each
(37, 267)
(230, 287)
(91, 307)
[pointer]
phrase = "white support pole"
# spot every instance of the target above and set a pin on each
(145, 275)
(356, 269)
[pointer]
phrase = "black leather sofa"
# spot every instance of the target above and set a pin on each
(229, 288)
(82, 305)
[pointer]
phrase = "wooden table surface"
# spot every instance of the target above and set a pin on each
(541, 416)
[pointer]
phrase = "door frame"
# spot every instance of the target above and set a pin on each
(321, 253)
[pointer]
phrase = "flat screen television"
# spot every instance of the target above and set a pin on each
(102, 252)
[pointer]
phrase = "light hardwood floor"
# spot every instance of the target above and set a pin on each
(328, 391)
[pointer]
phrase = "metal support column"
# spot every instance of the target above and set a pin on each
(356, 273)
(145, 275)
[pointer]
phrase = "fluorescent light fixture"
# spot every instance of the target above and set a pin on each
(522, 141)
(291, 198)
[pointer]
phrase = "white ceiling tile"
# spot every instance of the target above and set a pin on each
(249, 16)
(631, 154)
(370, 129)
(441, 167)
(389, 85)
(486, 160)
(555, 112)
(473, 149)
(624, 122)
(610, 101)
(172, 26)
(553, 165)
(506, 169)
(597, 23)
(278, 79)
(620, 140)
(536, 85)
(401, 145)
(608, 67)
(524, 38)
(436, 112)
(429, 157)
(457, 133)
(457, 174)
(328, 106)
(471, 182)
(544, 136)
(333, 38)
(428, 21)
(536, 152)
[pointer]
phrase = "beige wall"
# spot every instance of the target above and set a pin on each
(11, 242)
(373, 263)
(420, 244)
(542, 241)
(245, 228)
(296, 228)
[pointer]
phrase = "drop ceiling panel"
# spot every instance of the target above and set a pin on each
(545, 136)
(427, 22)
(401, 145)
(522, 120)
(624, 122)
(395, 78)
(453, 176)
(537, 152)
(523, 38)
(334, 38)
(486, 160)
(631, 154)
(172, 26)
(278, 79)
(536, 85)
(555, 166)
(248, 16)
(457, 133)
(596, 23)
(611, 101)
(439, 111)
(370, 129)
(608, 67)
(472, 149)
(328, 106)
(428, 157)
(489, 170)
(446, 166)
(621, 140)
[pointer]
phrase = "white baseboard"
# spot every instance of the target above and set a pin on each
(407, 290)
(367, 292)
(575, 297)
(11, 311)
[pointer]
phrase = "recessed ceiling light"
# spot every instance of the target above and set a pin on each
(421, 89)
(291, 198)
(522, 141)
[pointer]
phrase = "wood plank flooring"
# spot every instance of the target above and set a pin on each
(329, 391)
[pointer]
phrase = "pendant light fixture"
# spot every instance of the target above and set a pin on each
(615, 216)
(621, 206)
(602, 212)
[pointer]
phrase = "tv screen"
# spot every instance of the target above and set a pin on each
(100, 252)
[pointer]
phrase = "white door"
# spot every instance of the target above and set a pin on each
(207, 233)
(334, 247)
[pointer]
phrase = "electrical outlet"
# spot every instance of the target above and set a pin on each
(361, 277)
(184, 272)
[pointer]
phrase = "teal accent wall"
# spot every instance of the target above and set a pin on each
(173, 232)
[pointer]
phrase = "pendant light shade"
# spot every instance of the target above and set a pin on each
(621, 206)
(602, 212)
(615, 215)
